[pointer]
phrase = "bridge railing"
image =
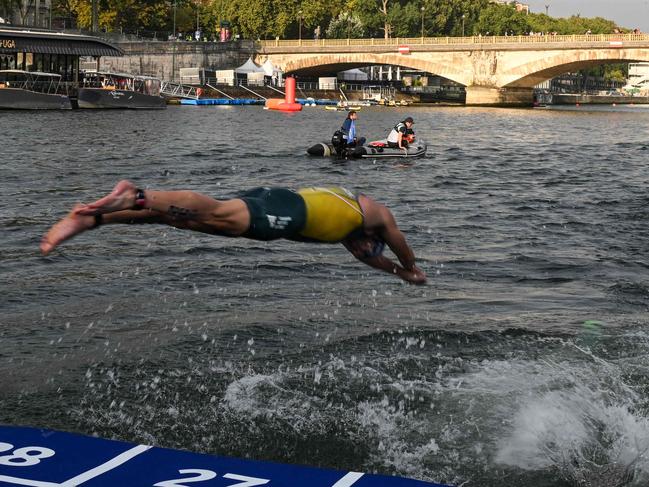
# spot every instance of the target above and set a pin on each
(440, 41)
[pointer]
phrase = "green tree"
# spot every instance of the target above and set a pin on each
(616, 72)
(130, 15)
(571, 25)
(368, 13)
(64, 12)
(7, 7)
(281, 18)
(497, 19)
(446, 16)
(405, 20)
(346, 25)
(24, 7)
(263, 18)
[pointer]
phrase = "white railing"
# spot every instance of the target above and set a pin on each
(178, 90)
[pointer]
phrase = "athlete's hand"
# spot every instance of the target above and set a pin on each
(414, 275)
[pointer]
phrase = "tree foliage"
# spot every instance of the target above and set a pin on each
(116, 15)
(283, 18)
(7, 7)
(571, 25)
(498, 19)
(346, 25)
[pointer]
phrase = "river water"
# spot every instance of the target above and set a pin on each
(521, 362)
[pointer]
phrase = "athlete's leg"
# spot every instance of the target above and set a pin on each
(75, 223)
(181, 204)
(181, 209)
(184, 209)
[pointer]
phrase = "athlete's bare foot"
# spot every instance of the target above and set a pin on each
(121, 198)
(73, 224)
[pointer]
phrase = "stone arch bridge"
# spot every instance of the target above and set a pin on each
(495, 70)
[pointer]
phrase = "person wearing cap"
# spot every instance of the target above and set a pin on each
(398, 136)
(315, 214)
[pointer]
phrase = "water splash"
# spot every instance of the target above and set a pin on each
(586, 423)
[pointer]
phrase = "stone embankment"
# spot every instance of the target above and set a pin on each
(570, 99)
(165, 59)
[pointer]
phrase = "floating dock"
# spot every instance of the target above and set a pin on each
(45, 458)
(246, 101)
(222, 101)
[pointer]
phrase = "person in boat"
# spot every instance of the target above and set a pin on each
(401, 134)
(326, 215)
(349, 130)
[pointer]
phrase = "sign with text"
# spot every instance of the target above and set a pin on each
(7, 44)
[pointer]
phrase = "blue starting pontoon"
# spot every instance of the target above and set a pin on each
(222, 101)
(44, 458)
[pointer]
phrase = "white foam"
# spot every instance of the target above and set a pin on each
(578, 417)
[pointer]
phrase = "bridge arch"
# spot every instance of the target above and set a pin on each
(530, 74)
(318, 64)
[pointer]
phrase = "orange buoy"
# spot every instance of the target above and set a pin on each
(288, 104)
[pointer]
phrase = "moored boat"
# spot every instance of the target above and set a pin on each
(339, 108)
(118, 90)
(25, 90)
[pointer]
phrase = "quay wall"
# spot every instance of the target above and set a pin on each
(568, 99)
(165, 59)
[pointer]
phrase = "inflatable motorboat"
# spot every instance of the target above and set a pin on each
(375, 150)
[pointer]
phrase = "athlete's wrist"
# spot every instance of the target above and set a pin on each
(140, 199)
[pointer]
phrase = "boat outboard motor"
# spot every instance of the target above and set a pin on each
(339, 143)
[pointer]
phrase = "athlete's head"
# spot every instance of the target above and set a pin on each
(409, 120)
(366, 247)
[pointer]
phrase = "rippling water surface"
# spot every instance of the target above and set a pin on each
(521, 362)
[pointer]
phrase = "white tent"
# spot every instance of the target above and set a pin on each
(270, 69)
(249, 67)
(353, 75)
(275, 73)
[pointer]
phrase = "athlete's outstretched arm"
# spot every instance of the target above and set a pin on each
(379, 221)
(396, 240)
(362, 248)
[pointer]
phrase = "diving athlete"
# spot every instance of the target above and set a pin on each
(314, 214)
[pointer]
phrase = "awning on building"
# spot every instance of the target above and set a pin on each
(39, 42)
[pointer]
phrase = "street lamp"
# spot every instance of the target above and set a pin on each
(174, 20)
(423, 9)
(299, 13)
(349, 26)
(463, 17)
(198, 7)
(173, 52)
(95, 15)
(546, 9)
